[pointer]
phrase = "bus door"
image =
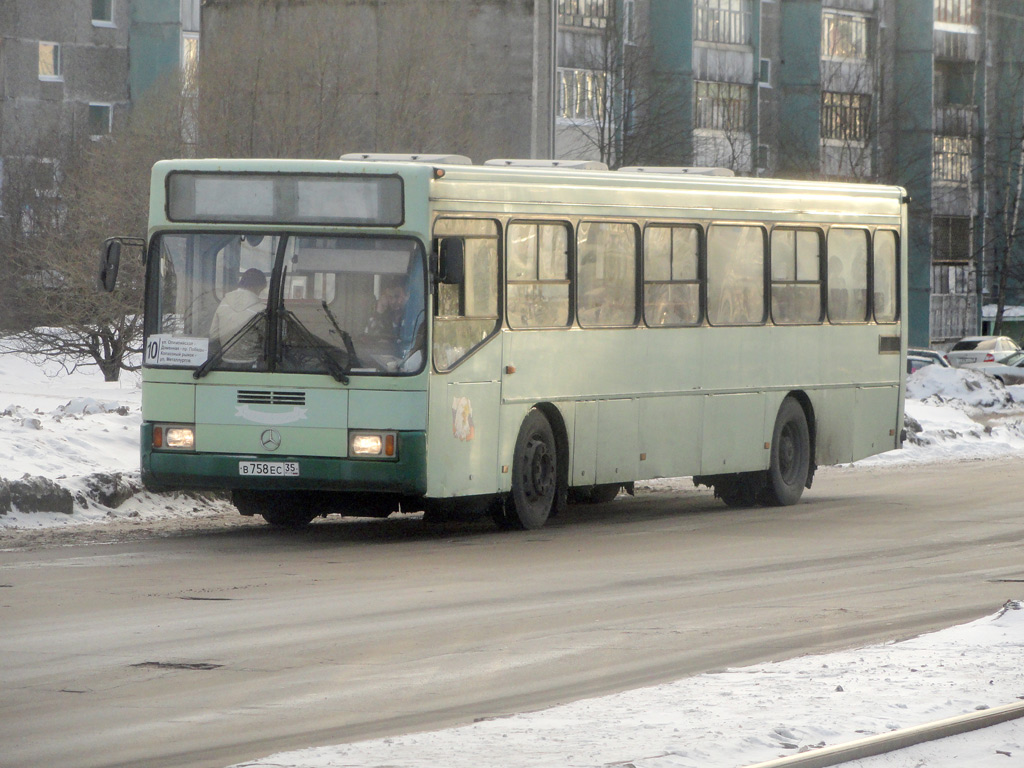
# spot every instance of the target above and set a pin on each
(466, 390)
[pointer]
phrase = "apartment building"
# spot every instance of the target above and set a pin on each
(69, 71)
(927, 94)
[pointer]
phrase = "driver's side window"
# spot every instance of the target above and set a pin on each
(466, 313)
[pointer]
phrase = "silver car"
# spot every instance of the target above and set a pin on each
(981, 349)
(919, 358)
(1009, 371)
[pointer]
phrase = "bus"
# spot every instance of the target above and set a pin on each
(389, 333)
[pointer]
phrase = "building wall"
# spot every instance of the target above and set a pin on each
(470, 77)
(45, 117)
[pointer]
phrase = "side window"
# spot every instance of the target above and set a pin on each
(606, 273)
(736, 274)
(538, 275)
(848, 275)
(466, 315)
(796, 276)
(886, 285)
(672, 276)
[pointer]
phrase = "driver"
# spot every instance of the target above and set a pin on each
(235, 310)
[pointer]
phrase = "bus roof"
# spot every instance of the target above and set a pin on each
(577, 186)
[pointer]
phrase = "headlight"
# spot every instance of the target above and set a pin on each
(373, 445)
(174, 437)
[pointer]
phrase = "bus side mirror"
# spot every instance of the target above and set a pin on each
(110, 262)
(452, 262)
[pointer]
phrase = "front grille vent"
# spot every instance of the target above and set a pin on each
(262, 397)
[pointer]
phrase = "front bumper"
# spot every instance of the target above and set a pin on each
(164, 470)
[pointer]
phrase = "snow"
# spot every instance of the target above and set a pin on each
(66, 427)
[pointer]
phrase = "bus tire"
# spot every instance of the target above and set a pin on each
(737, 491)
(790, 456)
(534, 473)
(274, 507)
(594, 494)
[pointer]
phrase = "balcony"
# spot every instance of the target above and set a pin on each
(956, 120)
(957, 45)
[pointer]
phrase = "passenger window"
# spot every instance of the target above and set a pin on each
(538, 275)
(606, 273)
(466, 315)
(848, 275)
(671, 276)
(796, 276)
(886, 286)
(735, 274)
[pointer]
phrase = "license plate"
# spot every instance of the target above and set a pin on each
(268, 468)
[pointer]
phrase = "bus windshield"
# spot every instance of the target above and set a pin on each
(249, 301)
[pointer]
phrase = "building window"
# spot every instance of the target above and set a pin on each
(844, 36)
(101, 119)
(952, 279)
(951, 238)
(190, 15)
(628, 21)
(592, 14)
(189, 61)
(49, 62)
(722, 21)
(952, 159)
(845, 116)
(581, 94)
(103, 13)
(722, 106)
(955, 11)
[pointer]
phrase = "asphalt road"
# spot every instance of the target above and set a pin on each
(233, 641)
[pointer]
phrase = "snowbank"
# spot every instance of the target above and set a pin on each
(743, 716)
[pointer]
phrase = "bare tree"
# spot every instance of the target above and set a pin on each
(319, 79)
(613, 108)
(103, 189)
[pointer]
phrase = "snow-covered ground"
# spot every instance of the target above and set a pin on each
(68, 427)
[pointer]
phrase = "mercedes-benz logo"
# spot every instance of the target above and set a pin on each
(270, 439)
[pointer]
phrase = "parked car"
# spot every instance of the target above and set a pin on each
(919, 358)
(1009, 371)
(981, 349)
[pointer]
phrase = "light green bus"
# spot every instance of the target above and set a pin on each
(385, 333)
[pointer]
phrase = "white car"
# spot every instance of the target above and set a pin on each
(981, 349)
(1009, 371)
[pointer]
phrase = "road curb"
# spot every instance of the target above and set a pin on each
(896, 740)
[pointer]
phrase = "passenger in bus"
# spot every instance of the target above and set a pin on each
(235, 310)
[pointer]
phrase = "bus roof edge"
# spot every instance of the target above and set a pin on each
(582, 165)
(384, 157)
(693, 171)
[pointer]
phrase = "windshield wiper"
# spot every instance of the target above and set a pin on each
(336, 369)
(346, 337)
(215, 358)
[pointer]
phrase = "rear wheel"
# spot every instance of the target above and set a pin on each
(534, 474)
(791, 456)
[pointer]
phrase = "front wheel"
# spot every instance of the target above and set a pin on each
(279, 509)
(791, 456)
(534, 474)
